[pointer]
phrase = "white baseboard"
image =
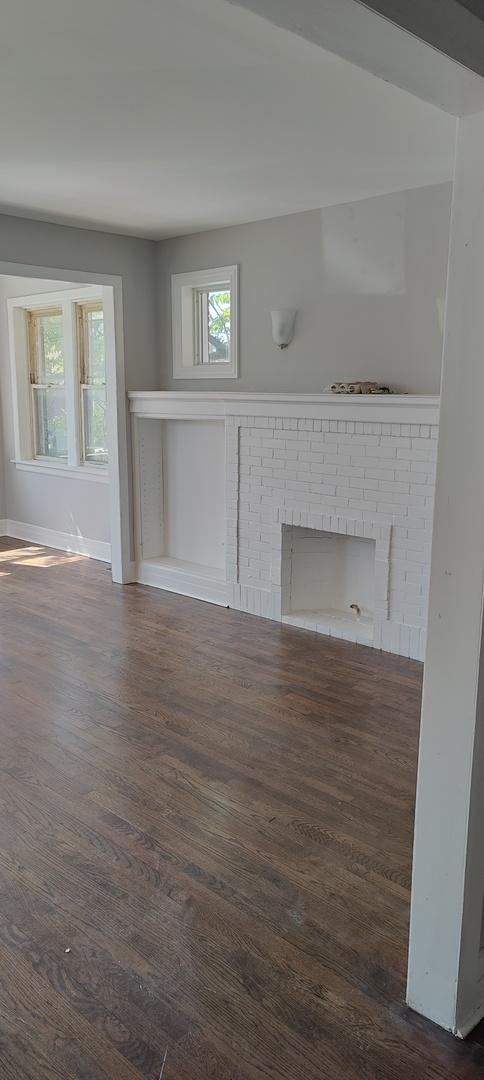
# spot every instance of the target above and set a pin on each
(78, 545)
(183, 579)
(463, 1029)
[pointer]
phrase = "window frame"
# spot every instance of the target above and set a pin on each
(83, 308)
(31, 315)
(186, 321)
(19, 311)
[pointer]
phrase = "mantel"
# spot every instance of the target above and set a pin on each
(187, 405)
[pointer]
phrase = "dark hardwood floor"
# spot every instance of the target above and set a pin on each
(205, 842)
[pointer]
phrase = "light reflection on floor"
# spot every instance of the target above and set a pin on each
(36, 556)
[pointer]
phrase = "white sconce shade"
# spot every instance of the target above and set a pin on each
(283, 326)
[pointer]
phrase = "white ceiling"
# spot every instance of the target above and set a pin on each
(163, 117)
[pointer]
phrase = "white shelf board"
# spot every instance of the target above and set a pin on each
(190, 404)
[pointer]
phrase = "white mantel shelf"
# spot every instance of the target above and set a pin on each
(186, 405)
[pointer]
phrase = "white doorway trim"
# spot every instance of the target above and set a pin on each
(119, 505)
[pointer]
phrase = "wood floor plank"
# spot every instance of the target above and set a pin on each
(205, 842)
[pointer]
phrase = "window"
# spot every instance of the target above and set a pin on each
(204, 315)
(59, 373)
(92, 366)
(47, 380)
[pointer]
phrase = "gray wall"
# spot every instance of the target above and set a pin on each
(38, 243)
(368, 280)
(58, 503)
(79, 506)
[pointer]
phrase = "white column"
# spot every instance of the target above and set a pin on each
(446, 964)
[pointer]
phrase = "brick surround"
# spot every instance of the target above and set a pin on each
(375, 477)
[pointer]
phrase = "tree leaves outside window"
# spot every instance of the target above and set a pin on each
(218, 312)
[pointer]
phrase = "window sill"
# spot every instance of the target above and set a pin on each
(98, 473)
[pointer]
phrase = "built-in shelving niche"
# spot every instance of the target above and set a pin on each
(180, 496)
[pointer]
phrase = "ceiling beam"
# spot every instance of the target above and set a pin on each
(454, 27)
(432, 48)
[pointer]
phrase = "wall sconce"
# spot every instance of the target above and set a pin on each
(283, 326)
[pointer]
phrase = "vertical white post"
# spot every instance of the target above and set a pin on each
(446, 968)
(122, 565)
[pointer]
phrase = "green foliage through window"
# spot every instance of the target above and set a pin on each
(218, 326)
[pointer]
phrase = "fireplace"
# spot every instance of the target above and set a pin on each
(331, 574)
(328, 582)
(309, 509)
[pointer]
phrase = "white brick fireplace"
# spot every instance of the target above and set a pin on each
(325, 516)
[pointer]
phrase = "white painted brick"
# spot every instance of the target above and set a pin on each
(349, 470)
(395, 441)
(274, 444)
(421, 488)
(380, 474)
(364, 482)
(306, 469)
(389, 509)
(416, 453)
(395, 486)
(427, 467)
(259, 470)
(286, 455)
(331, 458)
(359, 504)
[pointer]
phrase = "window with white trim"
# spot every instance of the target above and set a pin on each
(58, 359)
(92, 373)
(204, 324)
(47, 382)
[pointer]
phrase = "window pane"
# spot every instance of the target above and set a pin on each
(218, 311)
(48, 361)
(95, 359)
(50, 421)
(94, 414)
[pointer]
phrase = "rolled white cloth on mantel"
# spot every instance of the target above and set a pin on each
(357, 388)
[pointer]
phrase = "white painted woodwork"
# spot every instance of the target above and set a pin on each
(446, 961)
(352, 467)
(398, 408)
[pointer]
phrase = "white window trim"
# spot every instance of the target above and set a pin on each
(25, 459)
(185, 364)
(98, 473)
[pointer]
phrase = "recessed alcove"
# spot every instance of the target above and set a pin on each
(181, 506)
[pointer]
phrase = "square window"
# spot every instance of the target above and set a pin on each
(204, 313)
